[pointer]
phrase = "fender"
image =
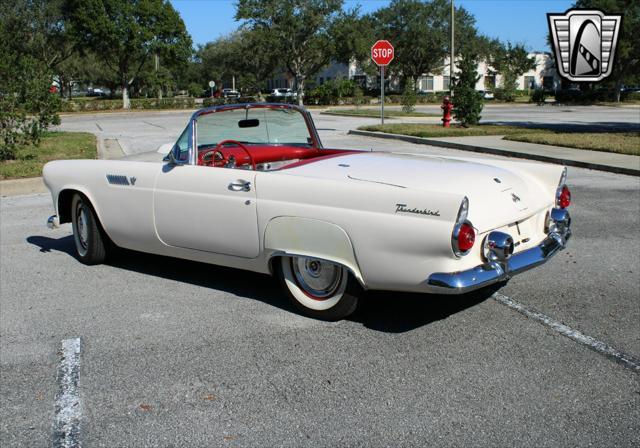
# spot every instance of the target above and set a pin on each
(288, 235)
(65, 215)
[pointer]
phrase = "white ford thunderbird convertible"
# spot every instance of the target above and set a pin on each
(250, 186)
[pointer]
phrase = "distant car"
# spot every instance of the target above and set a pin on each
(230, 93)
(486, 94)
(96, 92)
(283, 93)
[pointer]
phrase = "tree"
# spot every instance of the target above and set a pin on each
(511, 61)
(420, 33)
(409, 96)
(467, 101)
(353, 35)
(126, 34)
(299, 33)
(27, 107)
(626, 66)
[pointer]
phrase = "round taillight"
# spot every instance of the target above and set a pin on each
(466, 237)
(564, 198)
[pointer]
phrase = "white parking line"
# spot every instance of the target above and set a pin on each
(66, 423)
(626, 360)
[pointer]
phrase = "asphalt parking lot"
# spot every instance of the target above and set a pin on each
(175, 353)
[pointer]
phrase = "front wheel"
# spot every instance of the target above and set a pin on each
(318, 288)
(90, 243)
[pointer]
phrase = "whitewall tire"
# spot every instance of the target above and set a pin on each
(318, 288)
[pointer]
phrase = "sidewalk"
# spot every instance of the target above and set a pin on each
(494, 144)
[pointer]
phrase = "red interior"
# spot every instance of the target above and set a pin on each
(265, 153)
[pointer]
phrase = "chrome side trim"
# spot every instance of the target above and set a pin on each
(496, 270)
(53, 222)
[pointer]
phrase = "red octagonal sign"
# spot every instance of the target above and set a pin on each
(382, 52)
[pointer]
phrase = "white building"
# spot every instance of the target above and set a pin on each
(544, 76)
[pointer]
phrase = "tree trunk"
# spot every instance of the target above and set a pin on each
(300, 91)
(126, 104)
(618, 87)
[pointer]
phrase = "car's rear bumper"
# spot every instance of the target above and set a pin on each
(498, 271)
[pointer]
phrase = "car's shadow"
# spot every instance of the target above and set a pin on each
(391, 312)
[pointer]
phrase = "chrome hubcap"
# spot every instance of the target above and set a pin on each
(319, 279)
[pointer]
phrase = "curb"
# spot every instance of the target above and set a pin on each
(19, 187)
(499, 152)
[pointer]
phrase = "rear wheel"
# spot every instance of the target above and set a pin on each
(318, 288)
(90, 243)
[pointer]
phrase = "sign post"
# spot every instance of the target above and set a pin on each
(382, 53)
(212, 84)
(382, 94)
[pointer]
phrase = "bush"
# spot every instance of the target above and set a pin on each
(136, 103)
(584, 97)
(502, 94)
(409, 97)
(630, 96)
(331, 92)
(358, 97)
(538, 96)
(467, 101)
(207, 102)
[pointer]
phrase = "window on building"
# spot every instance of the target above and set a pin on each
(321, 80)
(547, 82)
(489, 82)
(446, 80)
(429, 83)
(529, 82)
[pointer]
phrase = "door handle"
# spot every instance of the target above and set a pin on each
(240, 185)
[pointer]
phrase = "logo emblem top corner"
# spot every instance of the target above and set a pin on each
(584, 42)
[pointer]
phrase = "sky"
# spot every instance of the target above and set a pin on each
(518, 21)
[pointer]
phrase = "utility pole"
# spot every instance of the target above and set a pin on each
(451, 63)
(157, 64)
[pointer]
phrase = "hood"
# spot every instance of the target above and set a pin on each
(506, 195)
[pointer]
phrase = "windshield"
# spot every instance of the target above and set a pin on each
(262, 125)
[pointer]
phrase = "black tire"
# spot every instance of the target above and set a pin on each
(91, 244)
(337, 302)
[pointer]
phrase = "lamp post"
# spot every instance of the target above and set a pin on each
(451, 68)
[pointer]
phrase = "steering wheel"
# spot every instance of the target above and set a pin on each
(220, 145)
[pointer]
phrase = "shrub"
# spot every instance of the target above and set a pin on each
(630, 96)
(468, 102)
(409, 97)
(136, 103)
(502, 94)
(538, 96)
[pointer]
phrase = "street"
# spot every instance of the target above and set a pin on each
(178, 353)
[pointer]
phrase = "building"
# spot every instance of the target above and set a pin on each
(543, 76)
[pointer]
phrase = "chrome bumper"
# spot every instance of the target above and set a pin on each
(500, 270)
(53, 222)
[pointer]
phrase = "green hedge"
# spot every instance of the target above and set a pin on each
(221, 101)
(136, 103)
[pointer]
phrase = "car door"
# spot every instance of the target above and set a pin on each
(207, 209)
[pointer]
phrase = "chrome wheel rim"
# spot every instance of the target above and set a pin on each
(82, 226)
(318, 279)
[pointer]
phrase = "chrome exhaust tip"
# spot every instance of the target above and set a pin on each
(497, 246)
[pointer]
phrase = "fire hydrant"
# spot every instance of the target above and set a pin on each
(446, 107)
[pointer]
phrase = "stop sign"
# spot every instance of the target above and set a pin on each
(382, 52)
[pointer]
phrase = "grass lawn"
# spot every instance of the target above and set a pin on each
(620, 142)
(53, 146)
(375, 113)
